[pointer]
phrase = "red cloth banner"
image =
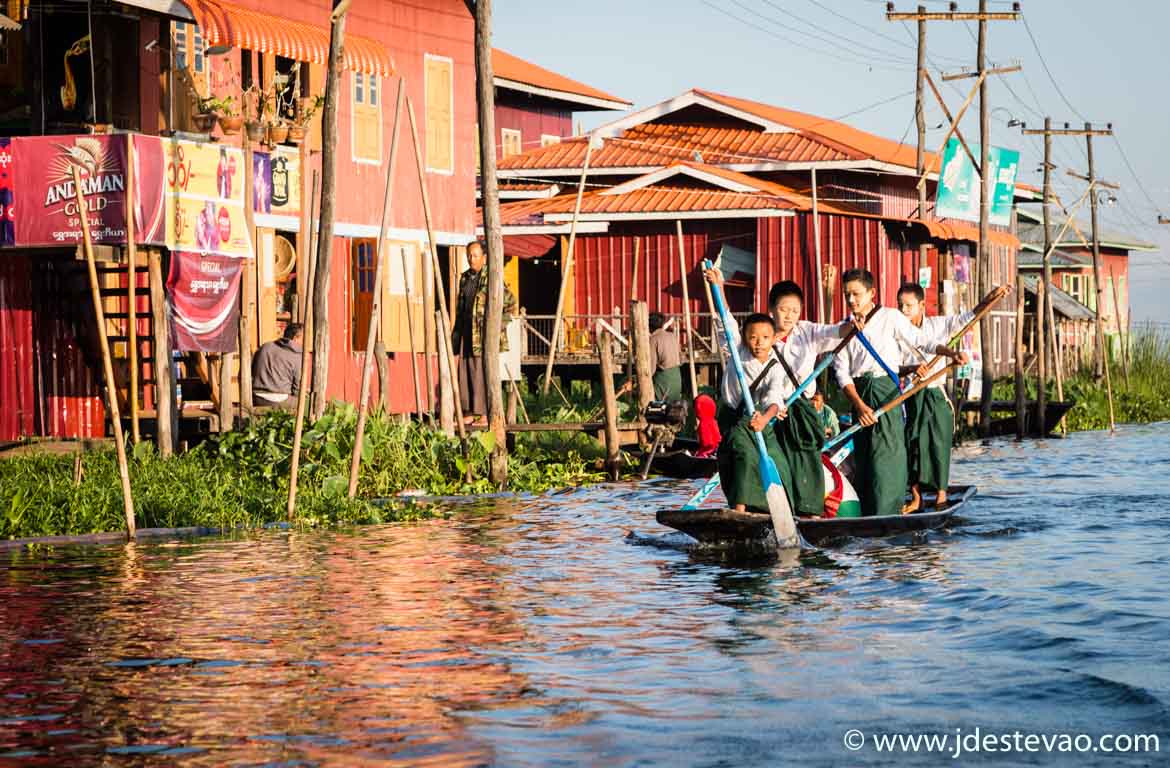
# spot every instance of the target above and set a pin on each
(204, 291)
(46, 204)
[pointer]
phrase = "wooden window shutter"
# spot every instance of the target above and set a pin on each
(439, 120)
(367, 118)
(400, 296)
(513, 142)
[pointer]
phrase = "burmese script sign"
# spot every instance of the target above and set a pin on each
(43, 204)
(204, 292)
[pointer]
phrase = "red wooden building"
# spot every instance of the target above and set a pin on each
(739, 175)
(154, 61)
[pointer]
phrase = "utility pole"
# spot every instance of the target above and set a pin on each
(493, 239)
(1099, 358)
(983, 268)
(920, 119)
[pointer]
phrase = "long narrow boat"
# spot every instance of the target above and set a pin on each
(730, 529)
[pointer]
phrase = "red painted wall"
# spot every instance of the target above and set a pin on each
(16, 370)
(531, 118)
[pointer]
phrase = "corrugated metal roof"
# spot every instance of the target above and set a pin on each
(1028, 259)
(868, 144)
(516, 69)
(1062, 302)
(1032, 234)
(659, 144)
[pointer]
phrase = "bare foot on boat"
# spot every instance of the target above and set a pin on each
(915, 502)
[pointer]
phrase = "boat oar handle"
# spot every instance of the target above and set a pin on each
(921, 385)
(981, 309)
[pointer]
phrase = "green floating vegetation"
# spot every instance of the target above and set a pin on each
(1142, 397)
(240, 479)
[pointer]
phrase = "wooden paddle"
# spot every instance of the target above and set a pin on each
(829, 446)
(885, 367)
(778, 507)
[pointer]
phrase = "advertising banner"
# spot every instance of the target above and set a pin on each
(205, 200)
(958, 186)
(204, 292)
(276, 182)
(44, 204)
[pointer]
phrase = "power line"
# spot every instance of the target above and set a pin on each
(795, 17)
(1044, 63)
(857, 24)
(1132, 173)
(838, 55)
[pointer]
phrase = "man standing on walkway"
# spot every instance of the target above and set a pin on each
(467, 335)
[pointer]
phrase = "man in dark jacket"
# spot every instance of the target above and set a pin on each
(276, 370)
(467, 336)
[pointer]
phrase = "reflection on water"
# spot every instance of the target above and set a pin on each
(534, 631)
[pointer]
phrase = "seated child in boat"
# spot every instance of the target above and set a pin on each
(738, 459)
(826, 415)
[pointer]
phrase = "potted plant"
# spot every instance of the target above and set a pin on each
(228, 114)
(204, 117)
(256, 103)
(308, 108)
(278, 132)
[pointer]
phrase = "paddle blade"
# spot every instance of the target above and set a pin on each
(778, 506)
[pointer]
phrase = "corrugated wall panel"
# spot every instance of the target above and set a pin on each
(16, 346)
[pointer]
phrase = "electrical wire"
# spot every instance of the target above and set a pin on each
(1133, 173)
(1035, 45)
(837, 35)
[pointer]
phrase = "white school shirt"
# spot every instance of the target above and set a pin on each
(769, 392)
(938, 329)
(806, 341)
(886, 332)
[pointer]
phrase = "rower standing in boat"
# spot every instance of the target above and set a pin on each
(739, 471)
(880, 450)
(930, 416)
(800, 436)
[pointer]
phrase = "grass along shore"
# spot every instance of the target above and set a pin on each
(1144, 399)
(240, 479)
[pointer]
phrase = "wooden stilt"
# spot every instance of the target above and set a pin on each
(1120, 333)
(446, 389)
(107, 364)
(418, 408)
(376, 304)
(164, 386)
(1021, 414)
(609, 401)
(225, 392)
(306, 379)
(132, 289)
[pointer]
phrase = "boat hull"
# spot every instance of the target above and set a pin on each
(728, 528)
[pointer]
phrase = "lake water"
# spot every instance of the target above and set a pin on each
(534, 632)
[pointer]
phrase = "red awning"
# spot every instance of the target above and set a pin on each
(226, 24)
(528, 246)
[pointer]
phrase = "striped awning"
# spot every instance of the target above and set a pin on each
(226, 24)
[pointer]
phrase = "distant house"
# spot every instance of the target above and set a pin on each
(740, 174)
(535, 106)
(1071, 262)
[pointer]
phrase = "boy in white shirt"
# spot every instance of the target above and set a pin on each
(880, 451)
(738, 459)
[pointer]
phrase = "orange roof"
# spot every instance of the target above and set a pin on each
(508, 67)
(877, 147)
(658, 144)
(224, 23)
(953, 230)
(647, 200)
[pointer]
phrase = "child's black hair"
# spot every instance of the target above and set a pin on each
(782, 289)
(657, 320)
(913, 289)
(758, 317)
(863, 276)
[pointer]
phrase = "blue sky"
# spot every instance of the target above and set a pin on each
(838, 58)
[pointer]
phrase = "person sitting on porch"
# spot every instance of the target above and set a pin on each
(666, 358)
(276, 370)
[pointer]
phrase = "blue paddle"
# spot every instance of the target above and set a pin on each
(778, 506)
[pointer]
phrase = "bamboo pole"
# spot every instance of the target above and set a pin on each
(1117, 319)
(683, 275)
(132, 289)
(816, 227)
(445, 316)
(225, 392)
(566, 269)
(164, 386)
(1021, 414)
(99, 316)
(306, 370)
(418, 409)
(609, 401)
(447, 394)
(376, 303)
(324, 253)
(247, 294)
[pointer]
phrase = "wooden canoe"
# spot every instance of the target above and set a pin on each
(728, 528)
(679, 461)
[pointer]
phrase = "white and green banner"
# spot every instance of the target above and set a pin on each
(958, 186)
